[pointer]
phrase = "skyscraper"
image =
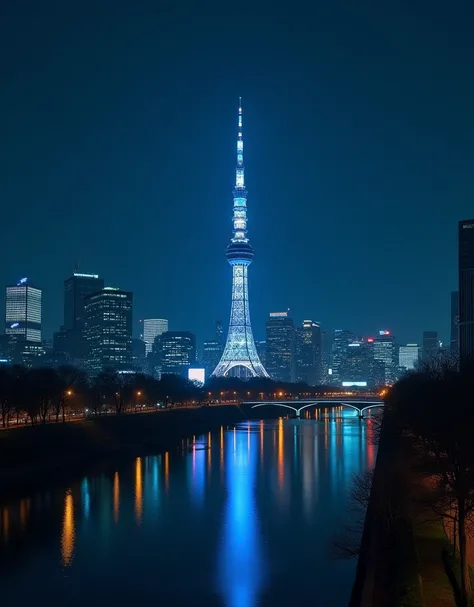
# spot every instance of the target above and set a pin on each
(454, 340)
(430, 345)
(281, 346)
(308, 353)
(211, 355)
(152, 327)
(408, 356)
(341, 341)
(108, 330)
(177, 352)
(384, 352)
(466, 291)
(240, 356)
(23, 312)
(356, 365)
(76, 288)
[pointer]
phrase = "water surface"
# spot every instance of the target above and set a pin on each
(237, 518)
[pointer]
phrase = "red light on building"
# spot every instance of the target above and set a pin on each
(370, 340)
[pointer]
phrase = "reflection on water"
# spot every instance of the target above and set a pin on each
(116, 497)
(240, 514)
(68, 534)
(138, 490)
(239, 559)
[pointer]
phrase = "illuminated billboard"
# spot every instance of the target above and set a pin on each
(197, 375)
(358, 384)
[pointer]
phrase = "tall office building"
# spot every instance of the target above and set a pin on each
(409, 356)
(431, 346)
(108, 330)
(281, 346)
(326, 356)
(76, 288)
(240, 356)
(308, 353)
(152, 328)
(454, 338)
(23, 312)
(342, 339)
(355, 370)
(384, 351)
(261, 346)
(138, 355)
(177, 352)
(211, 355)
(466, 291)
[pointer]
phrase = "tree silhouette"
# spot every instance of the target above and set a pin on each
(436, 406)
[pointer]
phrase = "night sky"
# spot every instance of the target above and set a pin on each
(117, 150)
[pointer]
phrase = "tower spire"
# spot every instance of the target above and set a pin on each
(239, 171)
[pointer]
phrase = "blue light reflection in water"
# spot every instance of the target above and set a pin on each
(240, 563)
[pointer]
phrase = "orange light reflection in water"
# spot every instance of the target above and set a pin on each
(68, 534)
(281, 454)
(24, 509)
(138, 490)
(116, 499)
(167, 470)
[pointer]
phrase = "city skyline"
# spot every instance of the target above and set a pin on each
(343, 194)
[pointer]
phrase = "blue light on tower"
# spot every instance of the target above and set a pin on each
(240, 356)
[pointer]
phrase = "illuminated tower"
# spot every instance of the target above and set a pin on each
(240, 356)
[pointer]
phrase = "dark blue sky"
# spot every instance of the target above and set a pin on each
(117, 149)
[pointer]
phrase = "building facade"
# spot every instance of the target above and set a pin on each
(281, 347)
(23, 312)
(409, 356)
(177, 352)
(430, 346)
(211, 355)
(152, 328)
(240, 356)
(308, 353)
(466, 291)
(340, 343)
(108, 330)
(355, 369)
(384, 351)
(76, 288)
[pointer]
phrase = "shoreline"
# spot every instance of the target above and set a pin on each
(35, 456)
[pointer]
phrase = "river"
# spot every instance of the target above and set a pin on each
(241, 517)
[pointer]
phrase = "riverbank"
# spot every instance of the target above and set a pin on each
(406, 558)
(388, 571)
(32, 455)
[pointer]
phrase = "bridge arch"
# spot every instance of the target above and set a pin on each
(379, 405)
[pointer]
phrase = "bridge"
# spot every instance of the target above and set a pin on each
(359, 405)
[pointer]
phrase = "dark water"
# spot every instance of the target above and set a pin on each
(241, 517)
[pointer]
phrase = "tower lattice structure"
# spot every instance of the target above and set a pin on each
(240, 357)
